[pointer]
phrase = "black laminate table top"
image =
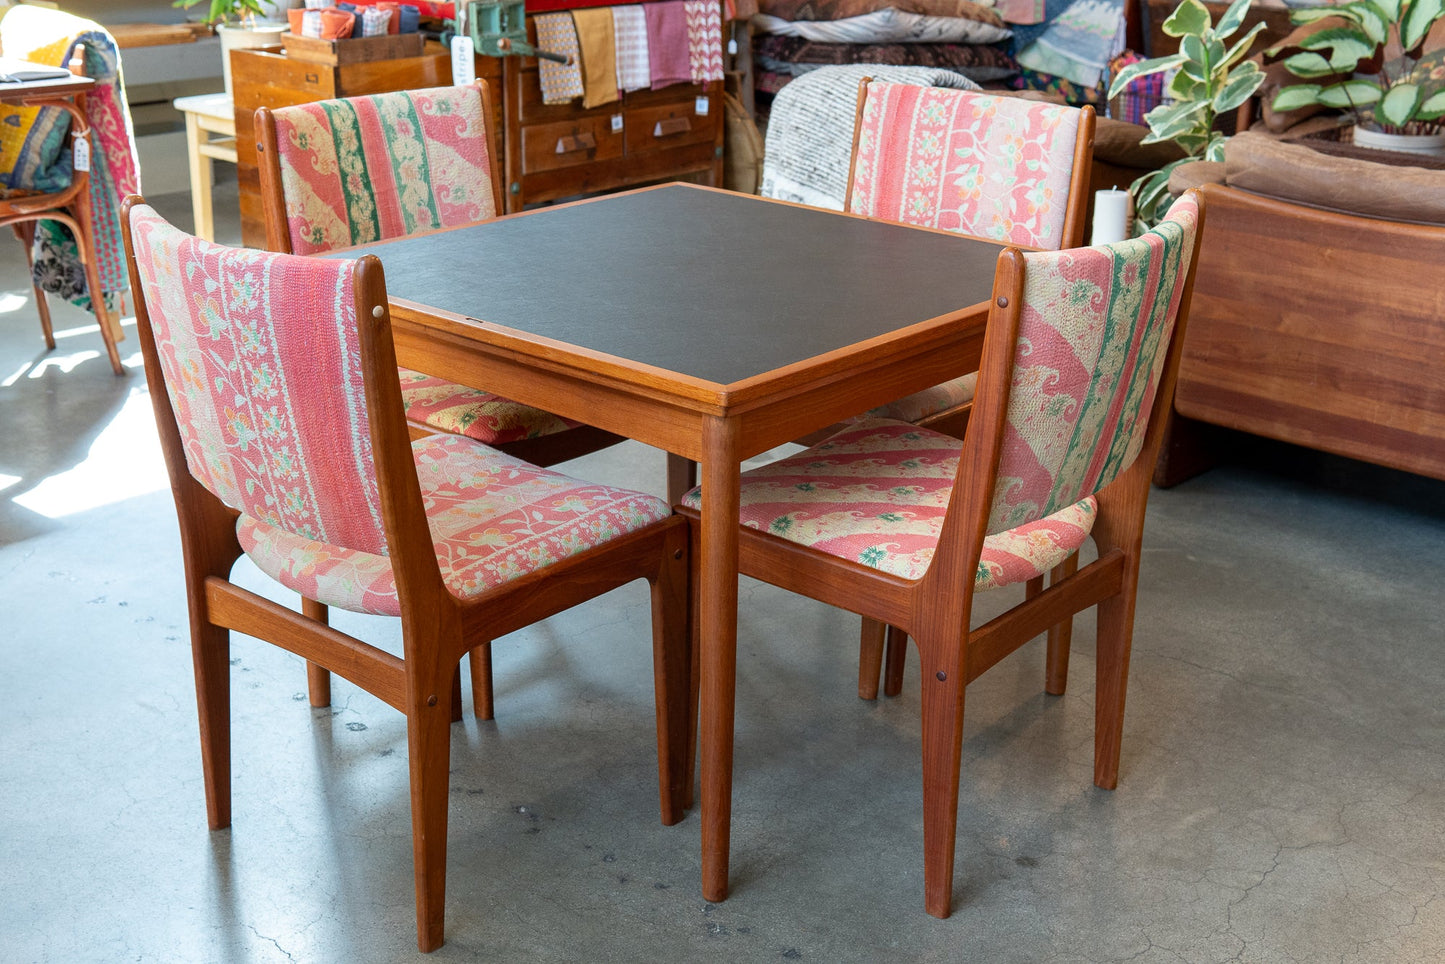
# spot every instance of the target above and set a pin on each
(716, 286)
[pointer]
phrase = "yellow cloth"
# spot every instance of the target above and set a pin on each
(598, 41)
(42, 40)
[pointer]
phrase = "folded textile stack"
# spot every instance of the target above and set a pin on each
(613, 50)
(1070, 51)
(795, 37)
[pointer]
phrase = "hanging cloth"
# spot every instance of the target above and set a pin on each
(599, 55)
(560, 82)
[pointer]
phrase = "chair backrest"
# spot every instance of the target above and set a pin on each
(362, 169)
(262, 364)
(1001, 168)
(1094, 333)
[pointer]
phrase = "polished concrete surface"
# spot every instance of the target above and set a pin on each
(1281, 796)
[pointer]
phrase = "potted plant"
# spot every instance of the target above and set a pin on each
(1396, 97)
(240, 24)
(1208, 80)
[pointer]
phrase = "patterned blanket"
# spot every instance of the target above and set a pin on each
(35, 155)
(810, 130)
(1079, 44)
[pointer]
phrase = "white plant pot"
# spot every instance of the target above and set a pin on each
(237, 37)
(1431, 144)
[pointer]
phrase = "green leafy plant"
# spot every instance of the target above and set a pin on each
(1209, 79)
(224, 11)
(1397, 97)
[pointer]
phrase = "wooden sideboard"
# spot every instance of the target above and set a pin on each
(548, 151)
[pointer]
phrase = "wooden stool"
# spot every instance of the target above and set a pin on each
(207, 114)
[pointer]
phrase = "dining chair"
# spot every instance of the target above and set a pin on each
(350, 171)
(905, 525)
(994, 167)
(281, 422)
(66, 213)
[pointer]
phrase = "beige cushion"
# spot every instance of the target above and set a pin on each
(1186, 177)
(1262, 165)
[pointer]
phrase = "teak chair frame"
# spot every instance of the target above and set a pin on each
(544, 451)
(935, 610)
(71, 207)
(438, 629)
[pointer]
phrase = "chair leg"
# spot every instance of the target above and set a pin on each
(479, 660)
(1061, 634)
(893, 662)
(211, 661)
(428, 732)
(672, 678)
(25, 231)
(870, 657)
(318, 678)
(1116, 628)
(942, 710)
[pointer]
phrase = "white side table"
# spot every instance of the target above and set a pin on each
(207, 115)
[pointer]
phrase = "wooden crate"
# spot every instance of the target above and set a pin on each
(353, 50)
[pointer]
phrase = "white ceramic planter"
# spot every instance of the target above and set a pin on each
(1431, 144)
(236, 37)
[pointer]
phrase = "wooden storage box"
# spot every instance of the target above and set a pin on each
(353, 50)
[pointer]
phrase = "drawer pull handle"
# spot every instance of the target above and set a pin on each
(672, 125)
(572, 143)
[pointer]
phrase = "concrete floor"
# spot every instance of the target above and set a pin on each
(1281, 795)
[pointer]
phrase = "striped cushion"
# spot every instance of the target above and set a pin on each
(493, 518)
(449, 407)
(876, 494)
(930, 401)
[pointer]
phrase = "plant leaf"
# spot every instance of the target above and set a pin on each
(1238, 51)
(1372, 20)
(1433, 107)
(1350, 94)
(1310, 65)
(1198, 56)
(1418, 20)
(1397, 107)
(1348, 46)
(1169, 121)
(1232, 18)
(1243, 82)
(1143, 69)
(1390, 8)
(1190, 18)
(1296, 95)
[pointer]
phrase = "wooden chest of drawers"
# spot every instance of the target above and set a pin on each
(548, 151)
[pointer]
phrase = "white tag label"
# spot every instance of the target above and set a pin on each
(700, 107)
(616, 123)
(464, 65)
(82, 154)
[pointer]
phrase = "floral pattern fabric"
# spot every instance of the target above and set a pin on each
(493, 518)
(1093, 338)
(930, 401)
(263, 372)
(876, 494)
(993, 167)
(449, 407)
(363, 169)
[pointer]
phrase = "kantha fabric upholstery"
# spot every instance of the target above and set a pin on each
(274, 421)
(993, 167)
(876, 494)
(364, 169)
(1092, 343)
(370, 168)
(493, 518)
(931, 401)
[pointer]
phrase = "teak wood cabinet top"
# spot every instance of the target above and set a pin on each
(548, 151)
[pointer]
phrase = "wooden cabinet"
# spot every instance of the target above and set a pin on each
(549, 151)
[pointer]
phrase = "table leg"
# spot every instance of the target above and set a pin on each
(200, 179)
(718, 615)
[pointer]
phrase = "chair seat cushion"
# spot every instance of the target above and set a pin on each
(876, 494)
(492, 419)
(493, 518)
(930, 401)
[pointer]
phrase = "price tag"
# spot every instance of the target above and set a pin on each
(700, 107)
(464, 64)
(82, 154)
(616, 123)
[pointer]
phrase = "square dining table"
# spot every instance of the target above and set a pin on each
(709, 324)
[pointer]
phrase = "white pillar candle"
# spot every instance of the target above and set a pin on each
(1111, 216)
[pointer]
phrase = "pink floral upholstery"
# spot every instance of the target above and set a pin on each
(989, 166)
(876, 494)
(493, 518)
(364, 169)
(930, 401)
(1092, 342)
(449, 407)
(261, 365)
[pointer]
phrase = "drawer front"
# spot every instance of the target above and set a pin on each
(548, 147)
(675, 124)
